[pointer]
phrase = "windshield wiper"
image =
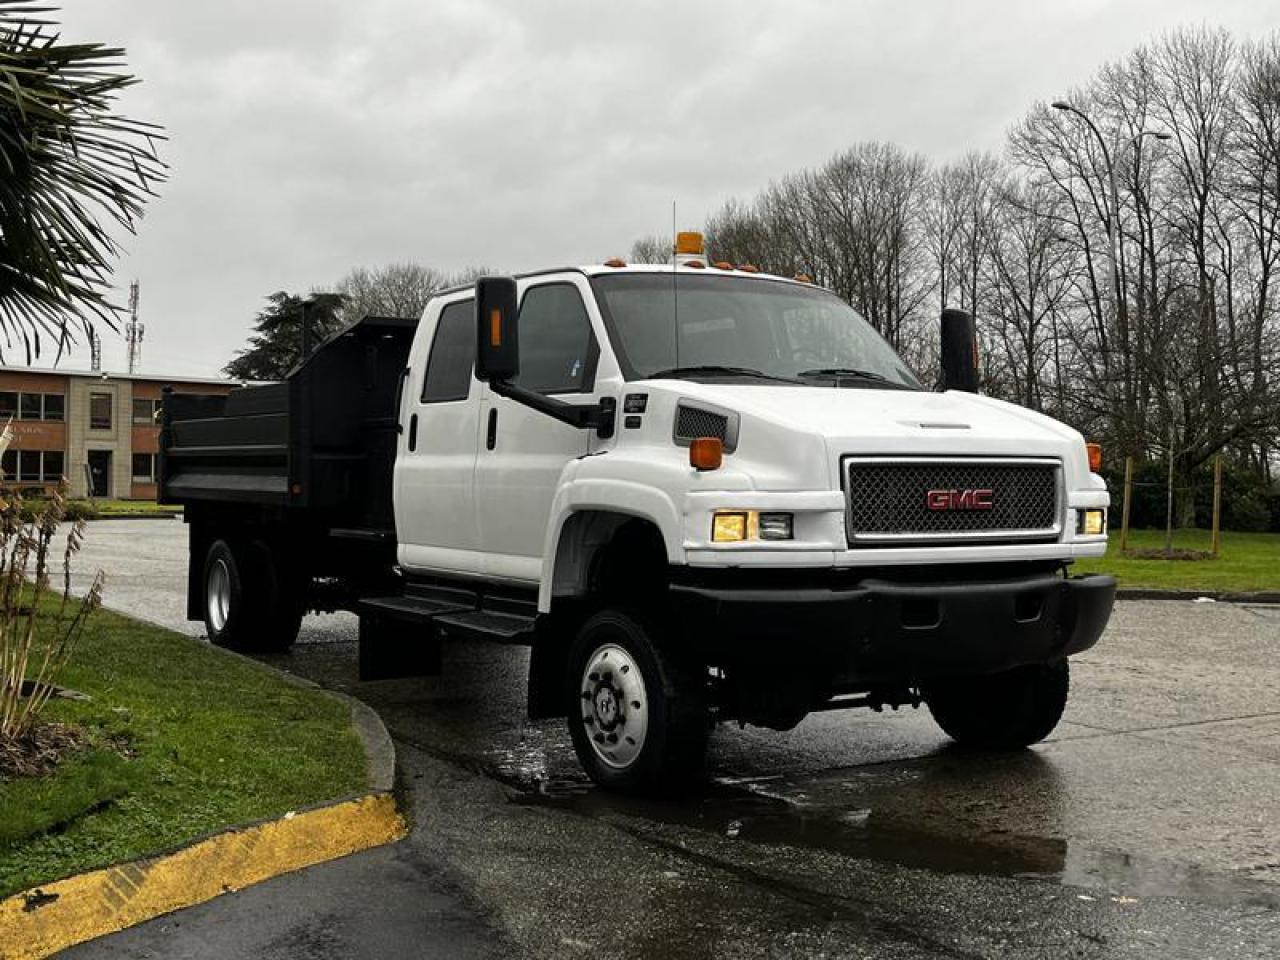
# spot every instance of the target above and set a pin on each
(712, 369)
(850, 373)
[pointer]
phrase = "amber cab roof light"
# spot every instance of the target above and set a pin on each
(689, 241)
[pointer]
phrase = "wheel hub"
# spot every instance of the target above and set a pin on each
(606, 704)
(218, 594)
(615, 705)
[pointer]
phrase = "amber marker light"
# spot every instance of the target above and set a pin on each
(706, 453)
(495, 327)
(1095, 456)
(689, 242)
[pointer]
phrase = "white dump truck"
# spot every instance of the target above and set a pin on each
(699, 493)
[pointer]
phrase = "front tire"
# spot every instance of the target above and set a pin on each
(638, 718)
(244, 608)
(1001, 711)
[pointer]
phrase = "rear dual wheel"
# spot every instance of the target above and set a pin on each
(638, 716)
(248, 606)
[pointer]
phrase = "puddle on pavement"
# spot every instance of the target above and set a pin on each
(776, 811)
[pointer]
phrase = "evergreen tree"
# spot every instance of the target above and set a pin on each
(276, 345)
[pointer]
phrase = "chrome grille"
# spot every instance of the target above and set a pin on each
(889, 500)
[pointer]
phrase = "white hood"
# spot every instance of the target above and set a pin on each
(890, 422)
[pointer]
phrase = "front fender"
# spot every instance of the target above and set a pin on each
(608, 495)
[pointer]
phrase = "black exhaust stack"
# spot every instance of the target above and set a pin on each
(959, 351)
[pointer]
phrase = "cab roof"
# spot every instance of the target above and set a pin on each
(604, 269)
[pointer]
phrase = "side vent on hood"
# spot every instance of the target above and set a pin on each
(698, 420)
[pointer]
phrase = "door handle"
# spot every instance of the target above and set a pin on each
(404, 375)
(413, 432)
(491, 438)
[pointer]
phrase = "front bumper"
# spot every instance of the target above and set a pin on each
(881, 631)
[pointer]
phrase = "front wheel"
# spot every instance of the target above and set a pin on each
(638, 718)
(1001, 711)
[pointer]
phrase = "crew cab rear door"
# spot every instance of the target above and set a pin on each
(435, 463)
(523, 452)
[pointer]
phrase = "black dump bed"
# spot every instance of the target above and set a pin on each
(323, 440)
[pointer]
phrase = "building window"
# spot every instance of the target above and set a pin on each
(32, 406)
(28, 466)
(144, 412)
(99, 411)
(54, 468)
(144, 468)
(32, 466)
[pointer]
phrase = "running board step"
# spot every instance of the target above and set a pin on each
(418, 609)
(487, 625)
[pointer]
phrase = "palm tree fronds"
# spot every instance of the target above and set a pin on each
(69, 166)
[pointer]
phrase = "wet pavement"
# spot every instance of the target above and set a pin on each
(1149, 825)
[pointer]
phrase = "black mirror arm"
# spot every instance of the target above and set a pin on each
(584, 416)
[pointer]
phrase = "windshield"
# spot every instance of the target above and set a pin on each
(752, 329)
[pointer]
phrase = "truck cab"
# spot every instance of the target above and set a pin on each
(702, 493)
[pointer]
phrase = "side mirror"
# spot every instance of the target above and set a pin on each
(959, 352)
(497, 345)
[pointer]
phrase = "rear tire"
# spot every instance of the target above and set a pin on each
(244, 608)
(1001, 711)
(638, 718)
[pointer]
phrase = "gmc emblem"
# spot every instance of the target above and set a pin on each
(958, 499)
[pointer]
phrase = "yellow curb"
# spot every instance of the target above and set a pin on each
(52, 917)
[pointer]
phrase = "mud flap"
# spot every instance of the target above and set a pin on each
(392, 648)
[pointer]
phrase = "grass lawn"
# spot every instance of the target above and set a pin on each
(185, 740)
(1247, 562)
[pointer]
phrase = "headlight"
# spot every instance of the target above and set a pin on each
(729, 527)
(775, 526)
(732, 526)
(1092, 523)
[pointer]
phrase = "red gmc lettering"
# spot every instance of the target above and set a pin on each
(980, 499)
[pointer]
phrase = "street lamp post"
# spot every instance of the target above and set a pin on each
(1112, 219)
(1112, 222)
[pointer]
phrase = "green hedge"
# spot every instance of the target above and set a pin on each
(76, 509)
(1248, 504)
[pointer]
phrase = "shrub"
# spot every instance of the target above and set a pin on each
(1247, 504)
(80, 510)
(33, 650)
(1250, 513)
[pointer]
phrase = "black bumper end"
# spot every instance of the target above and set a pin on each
(890, 631)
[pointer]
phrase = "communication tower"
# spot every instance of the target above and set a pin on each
(133, 330)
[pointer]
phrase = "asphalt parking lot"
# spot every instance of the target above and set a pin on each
(1148, 826)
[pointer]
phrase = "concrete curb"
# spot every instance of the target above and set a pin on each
(1145, 593)
(137, 516)
(39, 922)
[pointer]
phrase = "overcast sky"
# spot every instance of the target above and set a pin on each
(308, 137)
